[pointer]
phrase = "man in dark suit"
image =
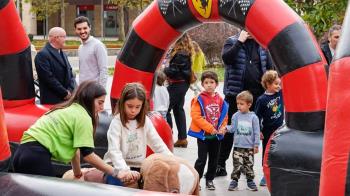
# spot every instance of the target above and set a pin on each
(56, 79)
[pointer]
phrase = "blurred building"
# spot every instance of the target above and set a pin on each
(103, 17)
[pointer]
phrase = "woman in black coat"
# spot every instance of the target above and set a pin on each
(179, 74)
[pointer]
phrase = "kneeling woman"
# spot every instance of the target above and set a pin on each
(65, 132)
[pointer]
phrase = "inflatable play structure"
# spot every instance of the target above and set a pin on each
(16, 81)
(292, 163)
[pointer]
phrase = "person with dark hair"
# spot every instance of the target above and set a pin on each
(63, 134)
(92, 54)
(209, 119)
(179, 73)
(56, 79)
(328, 47)
(130, 132)
(161, 98)
(245, 62)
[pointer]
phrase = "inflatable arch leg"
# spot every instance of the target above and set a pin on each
(335, 173)
(5, 152)
(294, 50)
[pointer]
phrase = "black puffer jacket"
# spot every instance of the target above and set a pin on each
(179, 67)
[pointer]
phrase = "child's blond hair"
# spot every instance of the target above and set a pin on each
(268, 78)
(245, 96)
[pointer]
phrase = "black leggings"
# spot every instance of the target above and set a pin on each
(177, 93)
(33, 158)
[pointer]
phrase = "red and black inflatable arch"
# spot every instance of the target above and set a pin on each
(294, 156)
(335, 172)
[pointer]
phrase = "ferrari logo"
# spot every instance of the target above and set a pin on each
(203, 7)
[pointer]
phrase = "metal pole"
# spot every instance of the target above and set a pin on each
(18, 2)
(102, 15)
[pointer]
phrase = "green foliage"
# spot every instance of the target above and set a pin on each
(43, 8)
(320, 14)
(130, 3)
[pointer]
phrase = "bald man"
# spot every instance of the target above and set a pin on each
(56, 79)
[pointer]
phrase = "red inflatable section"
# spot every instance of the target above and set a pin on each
(336, 145)
(155, 25)
(125, 74)
(163, 130)
(10, 23)
(264, 21)
(310, 97)
(5, 152)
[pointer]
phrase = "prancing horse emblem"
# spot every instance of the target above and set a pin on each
(203, 7)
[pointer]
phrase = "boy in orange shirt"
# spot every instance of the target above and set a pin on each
(209, 120)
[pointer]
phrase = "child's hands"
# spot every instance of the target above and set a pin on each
(214, 132)
(261, 136)
(256, 149)
(222, 131)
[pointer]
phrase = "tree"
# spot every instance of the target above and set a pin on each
(320, 14)
(45, 8)
(125, 4)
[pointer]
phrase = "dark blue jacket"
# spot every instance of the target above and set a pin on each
(235, 60)
(55, 75)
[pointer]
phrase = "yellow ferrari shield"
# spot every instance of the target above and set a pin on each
(203, 7)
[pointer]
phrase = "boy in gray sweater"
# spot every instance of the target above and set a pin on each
(245, 126)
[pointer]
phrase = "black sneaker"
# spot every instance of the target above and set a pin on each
(251, 185)
(233, 185)
(220, 171)
(210, 185)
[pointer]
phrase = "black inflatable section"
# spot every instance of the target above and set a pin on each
(178, 14)
(293, 48)
(30, 185)
(4, 165)
(301, 120)
(150, 55)
(3, 3)
(21, 64)
(295, 157)
(234, 12)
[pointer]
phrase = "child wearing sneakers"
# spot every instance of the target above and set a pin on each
(245, 126)
(209, 120)
(269, 109)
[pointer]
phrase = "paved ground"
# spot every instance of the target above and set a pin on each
(190, 153)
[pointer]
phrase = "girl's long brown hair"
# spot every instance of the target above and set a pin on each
(84, 95)
(131, 91)
(184, 43)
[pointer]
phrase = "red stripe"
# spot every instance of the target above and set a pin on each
(266, 167)
(153, 28)
(14, 39)
(266, 19)
(214, 12)
(19, 119)
(305, 89)
(336, 145)
(124, 74)
(4, 143)
(16, 103)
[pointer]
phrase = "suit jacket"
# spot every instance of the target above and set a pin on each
(327, 52)
(55, 75)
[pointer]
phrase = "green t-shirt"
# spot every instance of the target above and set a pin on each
(62, 132)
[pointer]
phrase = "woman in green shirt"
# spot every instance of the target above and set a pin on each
(65, 132)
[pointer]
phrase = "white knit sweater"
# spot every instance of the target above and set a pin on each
(127, 146)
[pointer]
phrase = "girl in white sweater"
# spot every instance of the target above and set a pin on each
(131, 131)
